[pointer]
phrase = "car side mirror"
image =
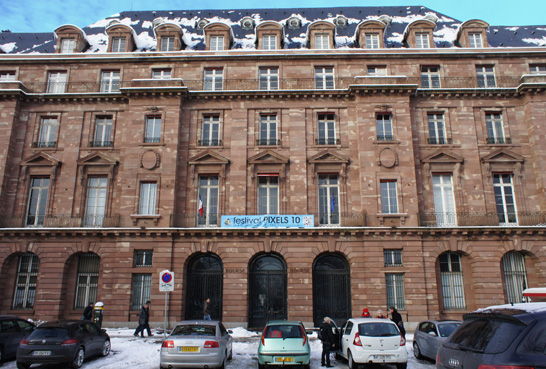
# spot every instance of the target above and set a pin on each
(230, 331)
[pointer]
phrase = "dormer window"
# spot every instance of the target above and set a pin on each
(418, 34)
(321, 35)
(118, 44)
(369, 34)
(475, 40)
(322, 41)
(169, 36)
(422, 41)
(120, 37)
(67, 45)
(269, 35)
(218, 36)
(167, 44)
(216, 43)
(372, 41)
(472, 34)
(70, 39)
(270, 42)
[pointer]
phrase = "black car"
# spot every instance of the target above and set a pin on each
(12, 330)
(507, 336)
(63, 342)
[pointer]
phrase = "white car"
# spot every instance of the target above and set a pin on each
(366, 340)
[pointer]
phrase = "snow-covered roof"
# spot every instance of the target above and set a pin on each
(243, 38)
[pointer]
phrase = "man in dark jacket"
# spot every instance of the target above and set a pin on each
(143, 320)
(327, 338)
(207, 310)
(88, 312)
(397, 318)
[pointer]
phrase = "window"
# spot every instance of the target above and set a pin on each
(430, 77)
(48, 132)
(68, 45)
(118, 44)
(377, 71)
(142, 284)
(515, 276)
(25, 284)
(167, 43)
(486, 76)
(269, 78)
(372, 41)
(451, 273)
(322, 41)
(152, 131)
(436, 129)
(389, 197)
(324, 78)
(269, 42)
(268, 130)
(109, 81)
(495, 129)
(475, 40)
(393, 257)
(214, 78)
(533, 69)
(216, 43)
(87, 280)
(326, 129)
(7, 76)
(103, 132)
(37, 201)
(504, 199)
(95, 206)
(268, 194)
(422, 41)
(383, 124)
(444, 200)
(161, 73)
(210, 132)
(208, 197)
(395, 290)
(56, 82)
(328, 199)
(148, 197)
(143, 258)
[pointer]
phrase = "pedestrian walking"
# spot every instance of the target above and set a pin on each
(88, 312)
(327, 337)
(143, 320)
(397, 319)
(207, 310)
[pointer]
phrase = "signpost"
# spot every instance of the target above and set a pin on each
(166, 283)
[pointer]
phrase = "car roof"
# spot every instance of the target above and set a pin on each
(525, 312)
(284, 322)
(198, 321)
(371, 320)
(61, 323)
(5, 317)
(440, 321)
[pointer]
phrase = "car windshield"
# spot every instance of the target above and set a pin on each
(447, 328)
(194, 330)
(377, 330)
(283, 331)
(42, 333)
(490, 336)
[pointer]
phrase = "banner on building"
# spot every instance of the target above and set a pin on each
(268, 221)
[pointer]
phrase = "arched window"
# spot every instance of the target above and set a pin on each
(451, 273)
(204, 280)
(25, 284)
(515, 276)
(87, 282)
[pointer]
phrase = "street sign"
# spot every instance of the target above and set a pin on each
(166, 281)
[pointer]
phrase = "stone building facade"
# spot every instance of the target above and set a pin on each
(419, 157)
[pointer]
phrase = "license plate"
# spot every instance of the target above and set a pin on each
(283, 359)
(382, 357)
(41, 353)
(188, 349)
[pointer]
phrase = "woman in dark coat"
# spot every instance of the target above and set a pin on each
(397, 318)
(327, 338)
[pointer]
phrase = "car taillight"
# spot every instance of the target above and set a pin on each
(211, 344)
(493, 366)
(69, 342)
(437, 359)
(304, 335)
(168, 344)
(357, 342)
(263, 338)
(23, 342)
(402, 341)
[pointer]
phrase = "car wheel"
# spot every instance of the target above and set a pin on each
(105, 348)
(417, 351)
(230, 354)
(78, 360)
(401, 365)
(351, 362)
(261, 366)
(22, 365)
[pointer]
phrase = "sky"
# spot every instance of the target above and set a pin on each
(46, 16)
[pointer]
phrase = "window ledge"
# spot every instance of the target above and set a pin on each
(383, 216)
(137, 217)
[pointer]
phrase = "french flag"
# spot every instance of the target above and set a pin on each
(200, 208)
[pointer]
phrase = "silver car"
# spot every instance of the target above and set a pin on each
(196, 344)
(430, 334)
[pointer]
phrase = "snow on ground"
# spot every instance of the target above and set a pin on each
(143, 353)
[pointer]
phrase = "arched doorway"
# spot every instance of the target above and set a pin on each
(204, 280)
(331, 289)
(267, 290)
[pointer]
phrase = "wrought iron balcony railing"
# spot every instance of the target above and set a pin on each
(44, 144)
(209, 142)
(499, 140)
(327, 141)
(152, 140)
(385, 138)
(101, 143)
(439, 141)
(449, 220)
(268, 142)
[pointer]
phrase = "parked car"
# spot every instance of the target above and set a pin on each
(196, 343)
(429, 336)
(367, 340)
(62, 342)
(507, 336)
(12, 330)
(284, 343)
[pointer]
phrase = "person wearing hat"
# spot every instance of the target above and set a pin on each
(366, 313)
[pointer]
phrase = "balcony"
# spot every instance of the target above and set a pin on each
(385, 138)
(498, 140)
(101, 144)
(327, 141)
(268, 142)
(439, 141)
(44, 144)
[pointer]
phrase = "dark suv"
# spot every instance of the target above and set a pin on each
(507, 336)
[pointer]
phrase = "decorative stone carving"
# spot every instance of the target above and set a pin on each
(388, 158)
(150, 160)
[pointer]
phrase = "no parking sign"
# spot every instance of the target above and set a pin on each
(166, 281)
